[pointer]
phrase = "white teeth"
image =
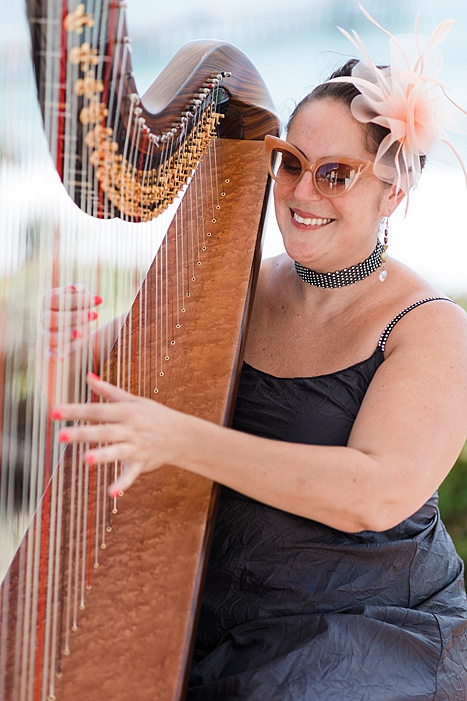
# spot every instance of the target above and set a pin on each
(310, 222)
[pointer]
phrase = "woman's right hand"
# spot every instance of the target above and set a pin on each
(68, 315)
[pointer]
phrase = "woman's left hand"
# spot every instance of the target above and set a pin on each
(140, 433)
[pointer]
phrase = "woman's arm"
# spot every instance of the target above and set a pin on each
(408, 433)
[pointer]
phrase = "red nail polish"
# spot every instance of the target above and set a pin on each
(93, 376)
(73, 288)
(77, 333)
(63, 436)
(92, 316)
(90, 459)
(115, 493)
(98, 300)
(56, 414)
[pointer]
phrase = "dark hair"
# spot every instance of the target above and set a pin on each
(345, 93)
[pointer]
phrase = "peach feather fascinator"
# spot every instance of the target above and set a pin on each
(408, 98)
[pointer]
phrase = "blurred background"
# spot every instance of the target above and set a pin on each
(294, 45)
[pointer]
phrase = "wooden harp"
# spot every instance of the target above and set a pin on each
(86, 613)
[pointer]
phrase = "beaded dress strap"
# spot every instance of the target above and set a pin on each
(384, 336)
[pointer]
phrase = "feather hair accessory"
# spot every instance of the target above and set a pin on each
(407, 97)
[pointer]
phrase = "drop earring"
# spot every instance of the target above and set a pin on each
(384, 253)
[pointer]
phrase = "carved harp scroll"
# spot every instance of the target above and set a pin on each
(97, 604)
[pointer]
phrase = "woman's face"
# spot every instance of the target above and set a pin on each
(326, 233)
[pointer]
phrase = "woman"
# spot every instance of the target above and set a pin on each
(331, 575)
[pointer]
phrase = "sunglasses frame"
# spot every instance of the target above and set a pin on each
(360, 165)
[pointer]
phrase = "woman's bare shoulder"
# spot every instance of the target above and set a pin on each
(438, 323)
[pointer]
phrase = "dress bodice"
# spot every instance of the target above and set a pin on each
(291, 594)
(377, 568)
(317, 410)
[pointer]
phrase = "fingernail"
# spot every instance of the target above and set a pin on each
(63, 437)
(93, 376)
(77, 333)
(98, 299)
(90, 459)
(115, 493)
(72, 288)
(92, 316)
(56, 414)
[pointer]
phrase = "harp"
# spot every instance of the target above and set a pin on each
(100, 598)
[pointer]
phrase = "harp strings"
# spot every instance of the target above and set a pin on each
(67, 247)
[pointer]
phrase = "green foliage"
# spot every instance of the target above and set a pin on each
(453, 495)
(453, 504)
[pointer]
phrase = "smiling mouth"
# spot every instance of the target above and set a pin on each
(311, 221)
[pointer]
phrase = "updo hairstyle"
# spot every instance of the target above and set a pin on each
(345, 93)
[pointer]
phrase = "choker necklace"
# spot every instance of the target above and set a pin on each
(344, 277)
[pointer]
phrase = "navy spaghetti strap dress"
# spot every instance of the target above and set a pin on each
(294, 610)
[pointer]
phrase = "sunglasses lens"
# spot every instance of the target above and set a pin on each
(331, 178)
(334, 178)
(285, 166)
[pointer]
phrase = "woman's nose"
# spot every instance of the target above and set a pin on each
(306, 187)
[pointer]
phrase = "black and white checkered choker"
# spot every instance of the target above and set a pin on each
(347, 276)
